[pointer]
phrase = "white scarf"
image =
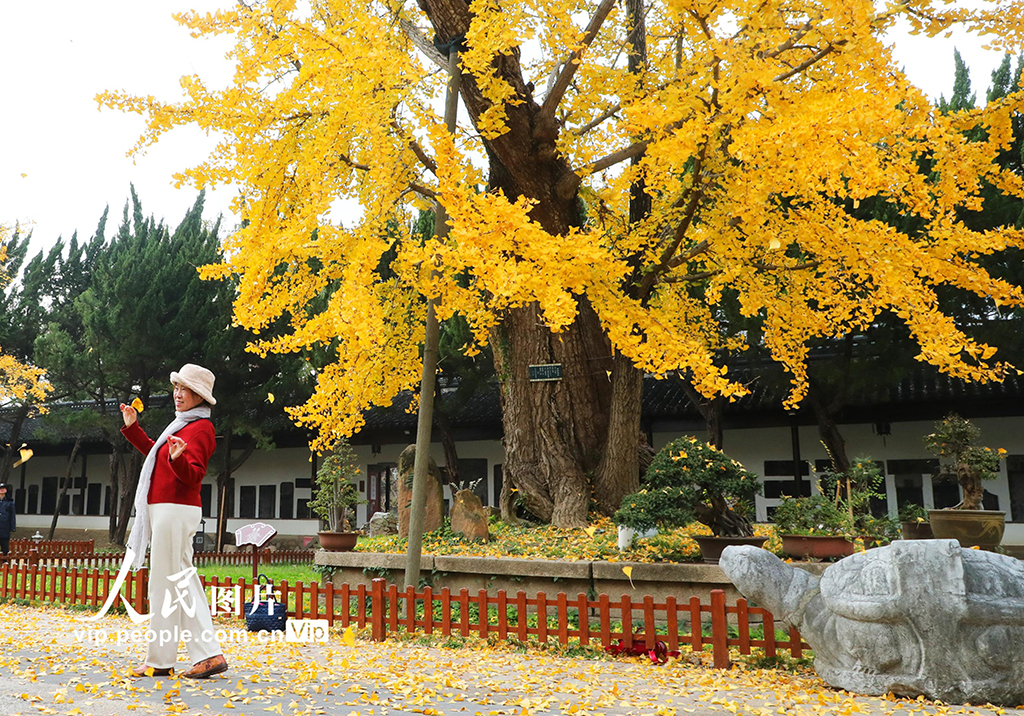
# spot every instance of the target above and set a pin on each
(138, 540)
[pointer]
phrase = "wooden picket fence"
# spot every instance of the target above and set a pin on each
(386, 609)
(24, 548)
(112, 560)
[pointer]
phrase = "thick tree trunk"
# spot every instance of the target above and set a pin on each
(65, 484)
(618, 473)
(554, 430)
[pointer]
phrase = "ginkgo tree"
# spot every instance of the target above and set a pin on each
(620, 170)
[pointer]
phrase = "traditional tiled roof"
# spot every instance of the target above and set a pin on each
(923, 393)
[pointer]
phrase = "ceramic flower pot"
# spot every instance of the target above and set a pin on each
(711, 547)
(972, 528)
(916, 530)
(338, 541)
(816, 546)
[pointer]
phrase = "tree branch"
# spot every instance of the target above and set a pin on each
(799, 267)
(425, 45)
(418, 150)
(418, 188)
(691, 277)
(808, 62)
(573, 62)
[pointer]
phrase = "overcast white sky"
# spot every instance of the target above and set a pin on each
(62, 160)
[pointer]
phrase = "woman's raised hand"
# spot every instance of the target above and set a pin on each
(175, 447)
(129, 414)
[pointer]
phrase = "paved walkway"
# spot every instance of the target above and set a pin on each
(46, 667)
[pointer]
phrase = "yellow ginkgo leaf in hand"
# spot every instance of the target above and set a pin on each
(628, 571)
(270, 397)
(137, 404)
(348, 637)
(26, 454)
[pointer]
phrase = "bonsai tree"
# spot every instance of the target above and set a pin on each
(690, 480)
(954, 438)
(335, 493)
(843, 509)
(814, 515)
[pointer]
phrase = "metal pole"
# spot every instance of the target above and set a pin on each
(426, 411)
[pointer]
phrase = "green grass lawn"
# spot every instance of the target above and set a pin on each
(291, 573)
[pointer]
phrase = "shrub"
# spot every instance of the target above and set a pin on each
(690, 480)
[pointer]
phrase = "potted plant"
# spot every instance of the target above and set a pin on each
(335, 496)
(914, 522)
(689, 480)
(853, 491)
(969, 464)
(814, 526)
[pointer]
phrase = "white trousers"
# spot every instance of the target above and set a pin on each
(176, 598)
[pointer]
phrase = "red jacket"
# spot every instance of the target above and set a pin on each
(177, 481)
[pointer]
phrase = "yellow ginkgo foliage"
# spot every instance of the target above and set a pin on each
(619, 172)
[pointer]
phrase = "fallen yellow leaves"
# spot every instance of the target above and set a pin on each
(403, 676)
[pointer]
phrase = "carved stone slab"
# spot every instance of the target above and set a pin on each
(916, 617)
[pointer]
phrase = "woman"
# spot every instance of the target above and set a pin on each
(8, 520)
(168, 508)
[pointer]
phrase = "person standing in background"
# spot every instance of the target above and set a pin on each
(8, 520)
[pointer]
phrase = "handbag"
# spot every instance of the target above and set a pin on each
(264, 617)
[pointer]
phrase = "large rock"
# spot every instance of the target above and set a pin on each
(468, 516)
(382, 523)
(433, 516)
(916, 617)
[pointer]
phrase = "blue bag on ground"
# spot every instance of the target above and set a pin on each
(263, 617)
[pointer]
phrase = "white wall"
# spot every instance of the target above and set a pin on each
(753, 446)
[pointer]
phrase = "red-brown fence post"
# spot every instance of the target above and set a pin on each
(696, 625)
(768, 625)
(482, 611)
(796, 647)
(502, 615)
(410, 609)
(376, 610)
(719, 630)
(650, 631)
(743, 624)
(428, 610)
(140, 593)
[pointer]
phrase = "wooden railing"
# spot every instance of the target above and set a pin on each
(386, 609)
(24, 548)
(47, 557)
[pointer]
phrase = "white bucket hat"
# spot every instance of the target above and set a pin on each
(198, 378)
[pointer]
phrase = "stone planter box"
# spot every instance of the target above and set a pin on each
(658, 580)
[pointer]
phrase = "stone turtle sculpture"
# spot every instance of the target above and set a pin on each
(916, 617)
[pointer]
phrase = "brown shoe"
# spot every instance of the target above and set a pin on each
(147, 670)
(207, 668)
